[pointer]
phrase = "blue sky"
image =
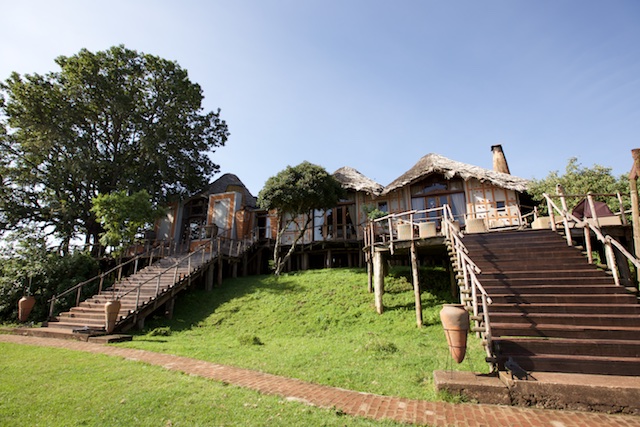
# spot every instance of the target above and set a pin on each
(372, 84)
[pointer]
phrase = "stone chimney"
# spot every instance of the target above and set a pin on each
(499, 160)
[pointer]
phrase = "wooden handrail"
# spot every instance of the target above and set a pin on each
(78, 287)
(608, 241)
(471, 283)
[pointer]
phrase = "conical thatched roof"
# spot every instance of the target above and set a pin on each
(351, 179)
(435, 163)
(222, 184)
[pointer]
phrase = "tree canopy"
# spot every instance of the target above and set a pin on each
(295, 193)
(580, 180)
(123, 216)
(107, 121)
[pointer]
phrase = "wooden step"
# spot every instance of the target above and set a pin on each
(578, 364)
(587, 347)
(564, 331)
(573, 307)
(561, 298)
(593, 319)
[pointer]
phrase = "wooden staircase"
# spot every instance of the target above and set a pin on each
(551, 310)
(139, 294)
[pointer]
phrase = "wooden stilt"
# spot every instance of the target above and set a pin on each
(378, 280)
(416, 283)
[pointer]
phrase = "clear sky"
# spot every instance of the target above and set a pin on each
(375, 84)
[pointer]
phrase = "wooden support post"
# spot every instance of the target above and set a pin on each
(259, 262)
(304, 261)
(234, 269)
(168, 310)
(245, 265)
(140, 323)
(208, 286)
(378, 280)
(329, 260)
(635, 209)
(416, 283)
(219, 270)
(370, 273)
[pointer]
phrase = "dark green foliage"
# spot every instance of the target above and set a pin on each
(299, 189)
(295, 193)
(163, 331)
(579, 180)
(123, 216)
(107, 121)
(29, 267)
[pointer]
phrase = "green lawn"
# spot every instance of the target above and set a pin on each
(318, 326)
(55, 387)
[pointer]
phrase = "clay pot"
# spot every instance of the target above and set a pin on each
(111, 311)
(455, 321)
(25, 304)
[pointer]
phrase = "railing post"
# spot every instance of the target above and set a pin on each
(611, 260)
(552, 216)
(101, 283)
(138, 298)
(51, 307)
(78, 296)
(158, 284)
(623, 216)
(587, 242)
(592, 207)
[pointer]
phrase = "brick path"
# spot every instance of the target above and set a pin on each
(351, 402)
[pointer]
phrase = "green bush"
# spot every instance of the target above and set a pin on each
(28, 267)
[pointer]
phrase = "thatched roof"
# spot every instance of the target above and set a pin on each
(222, 184)
(351, 179)
(435, 163)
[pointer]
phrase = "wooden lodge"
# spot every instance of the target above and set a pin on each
(478, 198)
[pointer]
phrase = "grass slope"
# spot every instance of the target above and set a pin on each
(318, 326)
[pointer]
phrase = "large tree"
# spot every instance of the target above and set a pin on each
(294, 193)
(107, 121)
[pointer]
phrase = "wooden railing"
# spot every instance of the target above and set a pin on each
(402, 226)
(156, 252)
(568, 220)
(471, 287)
(173, 268)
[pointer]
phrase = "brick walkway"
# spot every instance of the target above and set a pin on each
(350, 402)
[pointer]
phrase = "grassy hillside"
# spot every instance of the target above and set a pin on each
(318, 326)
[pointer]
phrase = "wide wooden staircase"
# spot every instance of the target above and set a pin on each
(550, 309)
(139, 294)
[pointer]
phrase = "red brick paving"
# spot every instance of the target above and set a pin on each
(351, 402)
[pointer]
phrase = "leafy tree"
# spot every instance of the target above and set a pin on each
(579, 180)
(28, 266)
(294, 193)
(123, 217)
(107, 121)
